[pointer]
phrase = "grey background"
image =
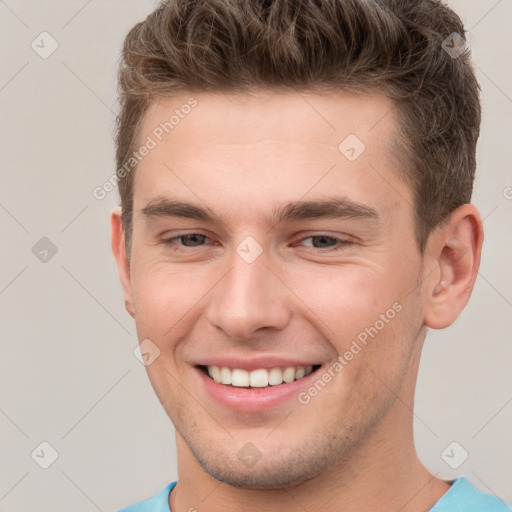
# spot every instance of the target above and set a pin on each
(67, 371)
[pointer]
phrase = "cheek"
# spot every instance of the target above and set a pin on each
(165, 296)
(347, 298)
(368, 315)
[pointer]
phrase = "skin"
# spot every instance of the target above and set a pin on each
(351, 447)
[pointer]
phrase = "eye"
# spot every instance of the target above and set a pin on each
(325, 242)
(320, 241)
(189, 240)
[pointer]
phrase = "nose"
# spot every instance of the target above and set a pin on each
(251, 299)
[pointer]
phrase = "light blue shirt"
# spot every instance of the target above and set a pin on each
(158, 503)
(461, 497)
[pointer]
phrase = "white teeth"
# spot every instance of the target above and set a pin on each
(289, 375)
(215, 374)
(275, 376)
(225, 374)
(240, 378)
(260, 378)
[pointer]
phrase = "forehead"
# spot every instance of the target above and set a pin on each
(269, 146)
(286, 116)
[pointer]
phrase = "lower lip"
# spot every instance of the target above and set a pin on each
(254, 399)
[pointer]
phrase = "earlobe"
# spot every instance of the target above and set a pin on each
(122, 261)
(456, 248)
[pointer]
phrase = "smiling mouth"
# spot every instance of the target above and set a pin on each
(260, 378)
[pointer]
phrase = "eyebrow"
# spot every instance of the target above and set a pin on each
(334, 208)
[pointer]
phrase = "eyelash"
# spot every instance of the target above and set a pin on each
(341, 241)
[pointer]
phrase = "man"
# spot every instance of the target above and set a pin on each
(295, 181)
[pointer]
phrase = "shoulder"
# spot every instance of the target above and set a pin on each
(463, 496)
(158, 503)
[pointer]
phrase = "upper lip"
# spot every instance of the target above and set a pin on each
(255, 363)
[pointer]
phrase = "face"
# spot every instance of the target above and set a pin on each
(265, 237)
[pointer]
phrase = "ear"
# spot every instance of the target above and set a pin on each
(455, 248)
(123, 263)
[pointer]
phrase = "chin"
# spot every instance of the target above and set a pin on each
(278, 470)
(280, 475)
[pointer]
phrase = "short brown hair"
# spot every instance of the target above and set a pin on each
(393, 46)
